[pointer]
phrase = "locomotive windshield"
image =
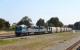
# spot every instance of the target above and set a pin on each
(18, 28)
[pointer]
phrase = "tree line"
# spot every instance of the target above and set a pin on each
(52, 22)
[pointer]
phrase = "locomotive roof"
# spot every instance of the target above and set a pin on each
(22, 26)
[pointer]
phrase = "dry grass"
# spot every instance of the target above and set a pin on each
(39, 42)
(6, 32)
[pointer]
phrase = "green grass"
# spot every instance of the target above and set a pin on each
(6, 42)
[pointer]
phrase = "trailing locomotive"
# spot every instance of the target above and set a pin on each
(25, 30)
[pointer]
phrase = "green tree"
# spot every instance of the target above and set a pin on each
(13, 26)
(1, 23)
(54, 22)
(26, 21)
(70, 25)
(60, 24)
(77, 26)
(40, 22)
(4, 24)
(7, 25)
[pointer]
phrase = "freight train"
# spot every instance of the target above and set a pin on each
(25, 30)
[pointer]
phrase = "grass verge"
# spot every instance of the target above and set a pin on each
(6, 42)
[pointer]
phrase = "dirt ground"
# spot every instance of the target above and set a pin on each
(6, 32)
(39, 42)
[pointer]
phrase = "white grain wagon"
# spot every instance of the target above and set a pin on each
(58, 29)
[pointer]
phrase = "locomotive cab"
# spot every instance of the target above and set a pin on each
(21, 30)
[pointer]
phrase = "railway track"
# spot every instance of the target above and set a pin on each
(12, 36)
(2, 36)
(74, 45)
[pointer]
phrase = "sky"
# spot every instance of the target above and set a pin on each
(68, 11)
